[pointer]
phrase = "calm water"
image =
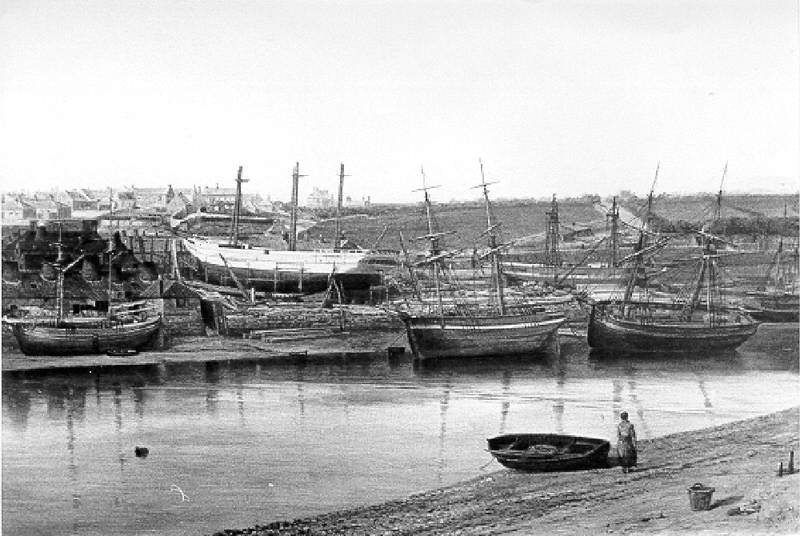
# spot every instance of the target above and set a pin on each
(240, 443)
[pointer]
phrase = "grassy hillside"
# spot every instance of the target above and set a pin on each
(468, 221)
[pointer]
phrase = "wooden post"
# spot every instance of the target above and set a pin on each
(300, 283)
(791, 462)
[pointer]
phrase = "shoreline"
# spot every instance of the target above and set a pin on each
(739, 459)
(355, 343)
(290, 347)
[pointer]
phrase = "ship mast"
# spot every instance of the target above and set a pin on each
(491, 231)
(552, 257)
(708, 266)
(640, 246)
(434, 243)
(338, 231)
(293, 216)
(614, 216)
(237, 209)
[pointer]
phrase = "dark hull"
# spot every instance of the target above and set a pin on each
(44, 340)
(775, 307)
(287, 281)
(609, 333)
(775, 315)
(430, 337)
(559, 452)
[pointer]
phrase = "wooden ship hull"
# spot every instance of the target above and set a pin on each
(777, 307)
(773, 315)
(284, 271)
(56, 340)
(549, 452)
(432, 337)
(610, 332)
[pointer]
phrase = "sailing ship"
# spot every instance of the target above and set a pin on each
(674, 325)
(75, 336)
(462, 330)
(289, 270)
(778, 300)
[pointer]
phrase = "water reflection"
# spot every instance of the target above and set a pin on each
(328, 434)
(443, 403)
(505, 405)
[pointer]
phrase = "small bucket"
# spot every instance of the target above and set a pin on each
(700, 496)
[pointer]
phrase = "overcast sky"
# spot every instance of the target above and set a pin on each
(558, 97)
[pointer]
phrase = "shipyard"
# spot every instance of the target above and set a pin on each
(400, 268)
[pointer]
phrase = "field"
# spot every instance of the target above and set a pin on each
(466, 221)
(525, 220)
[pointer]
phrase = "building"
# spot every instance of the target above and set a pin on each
(45, 209)
(12, 210)
(320, 199)
(178, 305)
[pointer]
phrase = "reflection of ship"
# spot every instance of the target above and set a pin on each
(681, 325)
(478, 330)
(225, 262)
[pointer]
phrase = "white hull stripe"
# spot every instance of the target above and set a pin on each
(523, 325)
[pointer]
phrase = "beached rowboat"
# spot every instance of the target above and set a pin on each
(549, 452)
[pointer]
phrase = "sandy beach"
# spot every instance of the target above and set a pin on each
(740, 460)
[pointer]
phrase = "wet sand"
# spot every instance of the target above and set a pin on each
(200, 349)
(740, 460)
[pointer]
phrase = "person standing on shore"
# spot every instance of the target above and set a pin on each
(626, 443)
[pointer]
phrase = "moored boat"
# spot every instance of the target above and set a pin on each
(549, 452)
(56, 339)
(464, 331)
(658, 328)
(684, 324)
(65, 335)
(432, 337)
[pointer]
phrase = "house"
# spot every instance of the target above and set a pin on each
(45, 209)
(179, 205)
(320, 199)
(80, 200)
(179, 306)
(12, 210)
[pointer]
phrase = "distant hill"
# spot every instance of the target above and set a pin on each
(526, 218)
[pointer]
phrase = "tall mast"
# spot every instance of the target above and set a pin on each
(718, 207)
(640, 246)
(614, 232)
(708, 267)
(237, 209)
(491, 230)
(338, 231)
(110, 255)
(552, 256)
(434, 243)
(293, 218)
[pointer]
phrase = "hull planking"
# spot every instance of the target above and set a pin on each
(432, 337)
(609, 332)
(45, 340)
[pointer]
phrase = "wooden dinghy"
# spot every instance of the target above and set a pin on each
(549, 452)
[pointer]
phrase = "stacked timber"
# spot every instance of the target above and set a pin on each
(304, 318)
